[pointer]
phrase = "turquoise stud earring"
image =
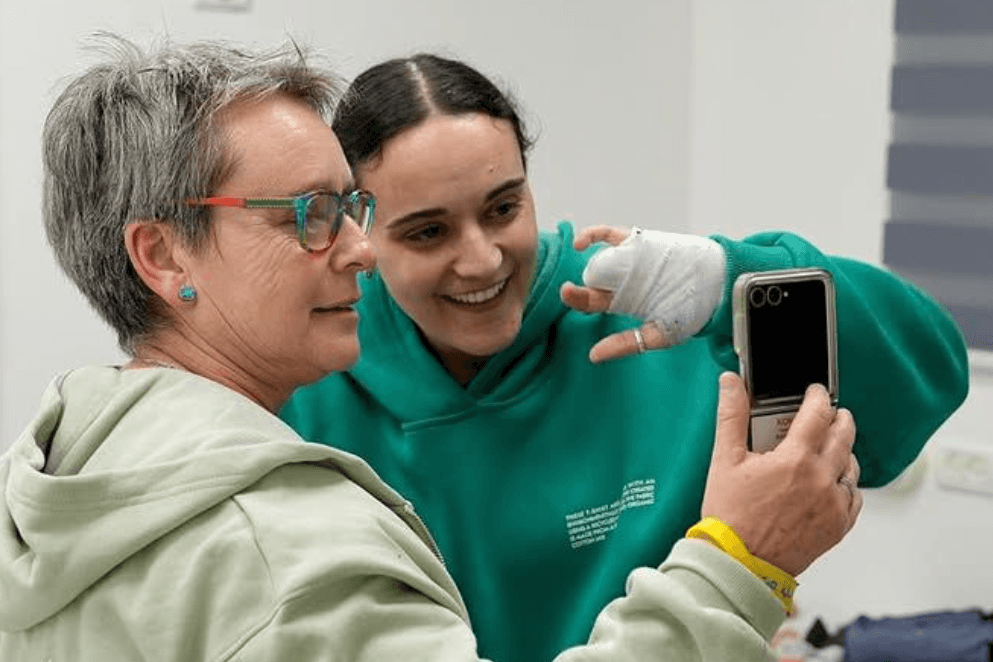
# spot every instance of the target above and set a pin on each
(187, 293)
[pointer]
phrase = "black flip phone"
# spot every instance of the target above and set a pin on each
(785, 335)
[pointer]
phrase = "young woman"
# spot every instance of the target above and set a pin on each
(546, 477)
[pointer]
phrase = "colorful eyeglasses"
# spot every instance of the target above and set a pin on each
(319, 215)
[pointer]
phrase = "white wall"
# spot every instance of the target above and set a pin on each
(790, 120)
(789, 125)
(606, 87)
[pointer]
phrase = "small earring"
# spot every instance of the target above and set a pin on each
(187, 293)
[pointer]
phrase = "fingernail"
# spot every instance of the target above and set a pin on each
(727, 381)
(816, 387)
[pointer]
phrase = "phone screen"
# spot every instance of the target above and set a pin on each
(788, 334)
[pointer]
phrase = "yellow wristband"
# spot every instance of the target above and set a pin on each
(723, 536)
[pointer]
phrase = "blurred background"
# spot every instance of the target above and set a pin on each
(683, 115)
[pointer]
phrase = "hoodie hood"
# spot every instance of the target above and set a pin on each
(116, 459)
(407, 379)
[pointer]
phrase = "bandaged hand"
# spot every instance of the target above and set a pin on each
(672, 281)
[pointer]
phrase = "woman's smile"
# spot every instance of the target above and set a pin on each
(475, 298)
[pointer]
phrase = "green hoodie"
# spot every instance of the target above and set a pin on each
(548, 478)
(157, 516)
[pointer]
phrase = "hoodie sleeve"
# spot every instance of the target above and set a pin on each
(699, 605)
(902, 361)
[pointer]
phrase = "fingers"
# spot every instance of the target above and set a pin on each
(585, 299)
(851, 494)
(820, 428)
(599, 233)
(615, 346)
(625, 343)
(854, 508)
(854, 469)
(731, 440)
(838, 446)
(812, 422)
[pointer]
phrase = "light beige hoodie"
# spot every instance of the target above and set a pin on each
(157, 516)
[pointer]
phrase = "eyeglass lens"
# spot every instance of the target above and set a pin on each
(325, 214)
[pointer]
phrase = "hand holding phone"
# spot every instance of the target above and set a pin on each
(785, 335)
(794, 503)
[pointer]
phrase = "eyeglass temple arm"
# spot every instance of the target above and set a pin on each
(228, 201)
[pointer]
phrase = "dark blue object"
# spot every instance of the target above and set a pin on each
(942, 248)
(942, 90)
(950, 17)
(936, 637)
(941, 169)
(976, 324)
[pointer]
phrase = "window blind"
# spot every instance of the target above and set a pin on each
(940, 162)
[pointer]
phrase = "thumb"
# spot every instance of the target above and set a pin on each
(731, 441)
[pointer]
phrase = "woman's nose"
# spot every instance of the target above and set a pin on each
(479, 254)
(352, 249)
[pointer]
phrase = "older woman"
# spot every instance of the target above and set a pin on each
(543, 476)
(159, 510)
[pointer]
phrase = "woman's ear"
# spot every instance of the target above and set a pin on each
(157, 257)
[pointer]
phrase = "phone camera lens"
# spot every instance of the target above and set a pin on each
(774, 295)
(757, 297)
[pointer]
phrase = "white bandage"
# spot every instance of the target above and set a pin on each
(674, 280)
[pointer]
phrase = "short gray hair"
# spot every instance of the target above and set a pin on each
(136, 136)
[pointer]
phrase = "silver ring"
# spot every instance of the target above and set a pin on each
(640, 339)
